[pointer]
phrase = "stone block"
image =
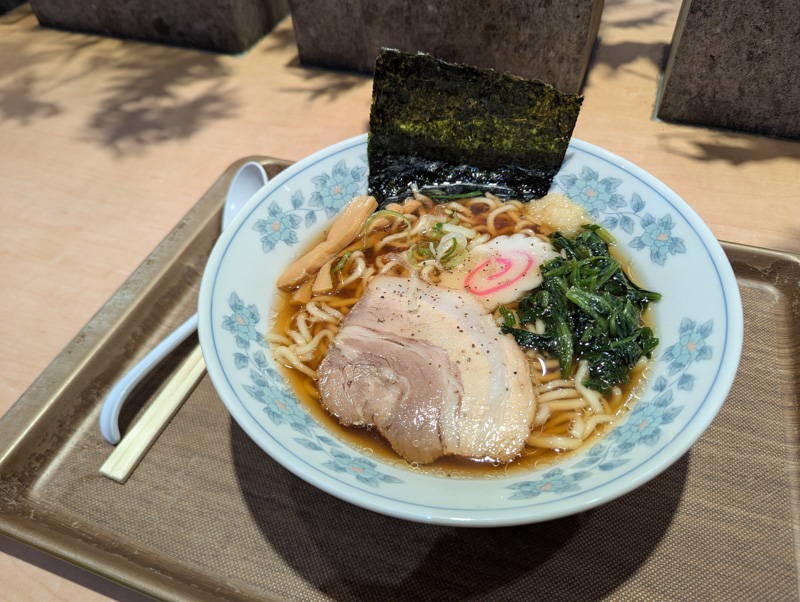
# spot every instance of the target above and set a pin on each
(229, 27)
(735, 65)
(544, 39)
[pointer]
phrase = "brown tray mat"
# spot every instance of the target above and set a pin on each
(208, 515)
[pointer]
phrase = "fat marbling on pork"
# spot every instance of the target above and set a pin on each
(429, 368)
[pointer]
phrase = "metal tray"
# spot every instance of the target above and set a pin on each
(208, 515)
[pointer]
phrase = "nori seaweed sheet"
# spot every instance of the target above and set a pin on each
(458, 128)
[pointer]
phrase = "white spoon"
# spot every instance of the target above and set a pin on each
(247, 181)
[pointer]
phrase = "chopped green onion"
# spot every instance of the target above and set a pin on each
(457, 258)
(342, 262)
(384, 213)
(439, 195)
(467, 232)
(450, 251)
(412, 260)
(417, 249)
(449, 254)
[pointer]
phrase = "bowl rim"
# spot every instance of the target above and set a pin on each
(604, 492)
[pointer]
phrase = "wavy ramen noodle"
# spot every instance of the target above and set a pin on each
(427, 240)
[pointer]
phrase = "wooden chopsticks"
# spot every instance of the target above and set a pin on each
(133, 446)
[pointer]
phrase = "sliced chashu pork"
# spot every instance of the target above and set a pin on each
(430, 369)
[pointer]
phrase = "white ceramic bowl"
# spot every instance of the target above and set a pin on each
(699, 323)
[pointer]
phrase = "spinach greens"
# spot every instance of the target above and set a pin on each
(590, 311)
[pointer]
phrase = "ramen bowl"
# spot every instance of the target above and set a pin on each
(668, 247)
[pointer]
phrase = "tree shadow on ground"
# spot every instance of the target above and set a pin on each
(26, 96)
(143, 93)
(20, 102)
(162, 94)
(734, 148)
(619, 55)
(319, 82)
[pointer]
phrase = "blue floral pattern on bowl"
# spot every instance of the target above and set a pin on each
(332, 191)
(643, 425)
(698, 321)
(281, 406)
(611, 209)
